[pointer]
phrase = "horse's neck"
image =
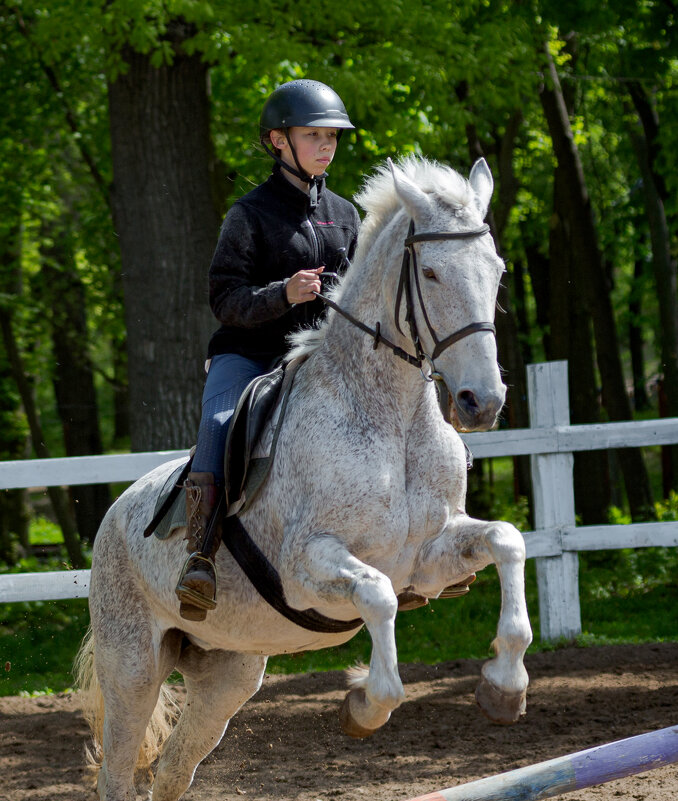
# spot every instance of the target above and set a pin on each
(377, 378)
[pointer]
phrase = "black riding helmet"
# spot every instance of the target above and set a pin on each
(301, 103)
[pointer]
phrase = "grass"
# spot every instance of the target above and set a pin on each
(39, 640)
(627, 596)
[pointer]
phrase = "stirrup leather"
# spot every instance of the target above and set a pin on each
(189, 595)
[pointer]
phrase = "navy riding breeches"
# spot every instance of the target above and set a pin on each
(227, 378)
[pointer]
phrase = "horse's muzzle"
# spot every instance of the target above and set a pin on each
(476, 412)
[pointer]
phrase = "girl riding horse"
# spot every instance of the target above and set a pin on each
(274, 244)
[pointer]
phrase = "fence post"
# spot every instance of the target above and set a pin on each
(553, 487)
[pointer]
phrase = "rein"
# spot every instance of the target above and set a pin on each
(247, 554)
(405, 289)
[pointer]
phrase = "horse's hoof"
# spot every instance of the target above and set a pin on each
(499, 706)
(190, 612)
(348, 723)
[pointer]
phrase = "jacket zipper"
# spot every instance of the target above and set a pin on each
(315, 244)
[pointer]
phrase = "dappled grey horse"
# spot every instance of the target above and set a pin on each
(365, 501)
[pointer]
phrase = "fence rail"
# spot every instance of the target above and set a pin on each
(550, 442)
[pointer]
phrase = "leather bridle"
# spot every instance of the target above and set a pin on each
(405, 291)
(254, 563)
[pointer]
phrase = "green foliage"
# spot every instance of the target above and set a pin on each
(631, 572)
(44, 532)
(12, 420)
(53, 562)
(627, 572)
(38, 642)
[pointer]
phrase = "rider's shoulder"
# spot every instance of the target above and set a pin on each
(341, 206)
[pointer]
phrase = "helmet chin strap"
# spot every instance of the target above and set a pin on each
(300, 173)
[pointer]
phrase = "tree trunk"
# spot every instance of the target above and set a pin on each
(587, 258)
(571, 338)
(538, 268)
(508, 344)
(120, 397)
(57, 495)
(73, 379)
(165, 216)
(641, 401)
(14, 521)
(646, 145)
(14, 512)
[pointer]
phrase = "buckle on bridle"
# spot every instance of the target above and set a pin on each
(433, 374)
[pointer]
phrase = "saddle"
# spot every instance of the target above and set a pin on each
(254, 428)
(263, 402)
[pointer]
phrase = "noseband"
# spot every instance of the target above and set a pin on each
(405, 290)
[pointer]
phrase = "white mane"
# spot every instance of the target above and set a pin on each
(378, 196)
(379, 199)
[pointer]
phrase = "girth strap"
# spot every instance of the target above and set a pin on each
(267, 582)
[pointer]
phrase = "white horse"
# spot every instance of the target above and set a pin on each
(365, 500)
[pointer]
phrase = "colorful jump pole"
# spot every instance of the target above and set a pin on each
(572, 772)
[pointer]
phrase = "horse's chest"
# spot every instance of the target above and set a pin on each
(389, 516)
(380, 502)
(436, 484)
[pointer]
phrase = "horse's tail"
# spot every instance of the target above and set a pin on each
(92, 704)
(91, 699)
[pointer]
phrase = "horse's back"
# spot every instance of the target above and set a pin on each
(120, 546)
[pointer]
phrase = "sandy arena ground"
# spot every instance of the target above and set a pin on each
(286, 742)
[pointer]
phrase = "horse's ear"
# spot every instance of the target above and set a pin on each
(415, 201)
(482, 184)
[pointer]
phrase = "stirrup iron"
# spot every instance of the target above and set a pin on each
(188, 595)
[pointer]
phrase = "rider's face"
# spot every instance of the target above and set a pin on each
(315, 147)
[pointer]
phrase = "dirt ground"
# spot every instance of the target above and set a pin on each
(286, 742)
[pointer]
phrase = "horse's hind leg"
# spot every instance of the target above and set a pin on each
(131, 670)
(468, 545)
(217, 684)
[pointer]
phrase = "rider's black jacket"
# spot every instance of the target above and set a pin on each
(267, 236)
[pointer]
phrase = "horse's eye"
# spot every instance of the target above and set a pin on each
(427, 272)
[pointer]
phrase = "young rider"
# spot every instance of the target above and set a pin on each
(274, 244)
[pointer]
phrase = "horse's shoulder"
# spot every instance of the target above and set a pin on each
(437, 446)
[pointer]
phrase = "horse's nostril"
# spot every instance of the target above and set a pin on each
(467, 399)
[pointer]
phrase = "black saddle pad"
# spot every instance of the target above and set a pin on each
(257, 404)
(166, 521)
(250, 416)
(244, 474)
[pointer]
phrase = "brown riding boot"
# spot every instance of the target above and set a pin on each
(197, 585)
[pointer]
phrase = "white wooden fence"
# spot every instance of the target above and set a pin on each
(550, 441)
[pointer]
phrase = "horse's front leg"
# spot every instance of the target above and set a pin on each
(467, 545)
(324, 574)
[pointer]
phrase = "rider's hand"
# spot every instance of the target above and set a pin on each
(302, 285)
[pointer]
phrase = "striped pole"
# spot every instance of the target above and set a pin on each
(572, 772)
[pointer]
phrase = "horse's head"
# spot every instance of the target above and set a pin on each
(453, 283)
